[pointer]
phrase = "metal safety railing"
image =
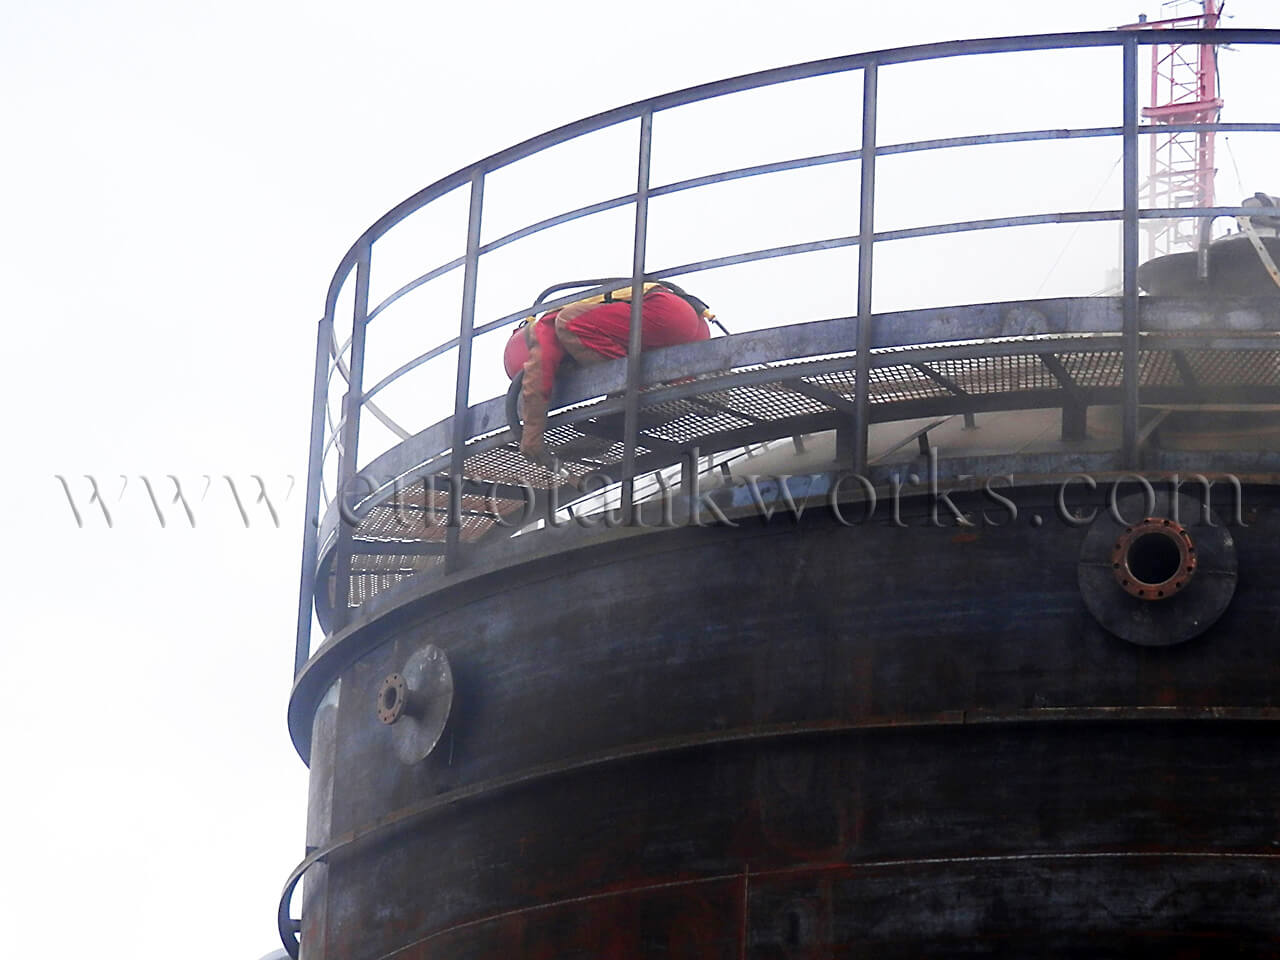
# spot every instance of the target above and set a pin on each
(340, 435)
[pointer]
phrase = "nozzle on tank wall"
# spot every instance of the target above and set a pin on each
(416, 701)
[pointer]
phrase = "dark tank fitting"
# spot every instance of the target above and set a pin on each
(1154, 559)
(395, 700)
(1156, 582)
(416, 701)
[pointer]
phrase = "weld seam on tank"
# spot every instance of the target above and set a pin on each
(852, 866)
(949, 719)
(585, 898)
(396, 820)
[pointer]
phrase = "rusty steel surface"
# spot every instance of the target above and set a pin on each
(804, 739)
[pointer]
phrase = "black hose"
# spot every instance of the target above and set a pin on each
(572, 284)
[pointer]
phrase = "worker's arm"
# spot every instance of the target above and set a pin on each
(545, 354)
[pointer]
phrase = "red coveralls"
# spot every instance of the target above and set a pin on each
(594, 333)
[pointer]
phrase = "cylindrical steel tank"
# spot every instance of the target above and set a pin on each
(805, 739)
(911, 698)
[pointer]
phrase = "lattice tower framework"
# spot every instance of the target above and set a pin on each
(1184, 90)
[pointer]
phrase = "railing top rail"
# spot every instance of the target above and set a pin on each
(764, 78)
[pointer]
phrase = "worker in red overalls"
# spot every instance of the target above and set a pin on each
(593, 331)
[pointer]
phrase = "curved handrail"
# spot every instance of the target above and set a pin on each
(781, 166)
(798, 248)
(770, 77)
(455, 432)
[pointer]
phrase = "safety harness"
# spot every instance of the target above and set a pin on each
(622, 294)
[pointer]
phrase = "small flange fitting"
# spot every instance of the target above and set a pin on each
(1154, 559)
(415, 703)
(1172, 586)
(393, 698)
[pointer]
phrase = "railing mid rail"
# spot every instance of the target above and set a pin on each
(340, 436)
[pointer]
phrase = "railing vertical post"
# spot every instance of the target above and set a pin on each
(866, 240)
(1129, 266)
(631, 403)
(462, 387)
(311, 511)
(351, 405)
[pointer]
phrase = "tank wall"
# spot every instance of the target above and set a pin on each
(315, 891)
(785, 738)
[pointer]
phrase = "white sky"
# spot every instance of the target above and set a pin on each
(178, 183)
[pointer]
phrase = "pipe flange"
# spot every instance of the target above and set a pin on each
(1162, 579)
(416, 703)
(1154, 560)
(392, 698)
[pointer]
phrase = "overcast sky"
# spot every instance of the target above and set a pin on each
(178, 184)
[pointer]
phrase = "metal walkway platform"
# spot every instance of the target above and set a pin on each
(749, 389)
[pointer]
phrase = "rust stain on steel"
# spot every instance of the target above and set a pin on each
(693, 921)
(885, 765)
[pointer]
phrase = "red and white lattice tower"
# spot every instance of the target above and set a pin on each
(1184, 89)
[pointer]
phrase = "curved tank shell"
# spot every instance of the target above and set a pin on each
(1233, 268)
(797, 737)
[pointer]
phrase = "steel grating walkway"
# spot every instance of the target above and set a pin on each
(1190, 355)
